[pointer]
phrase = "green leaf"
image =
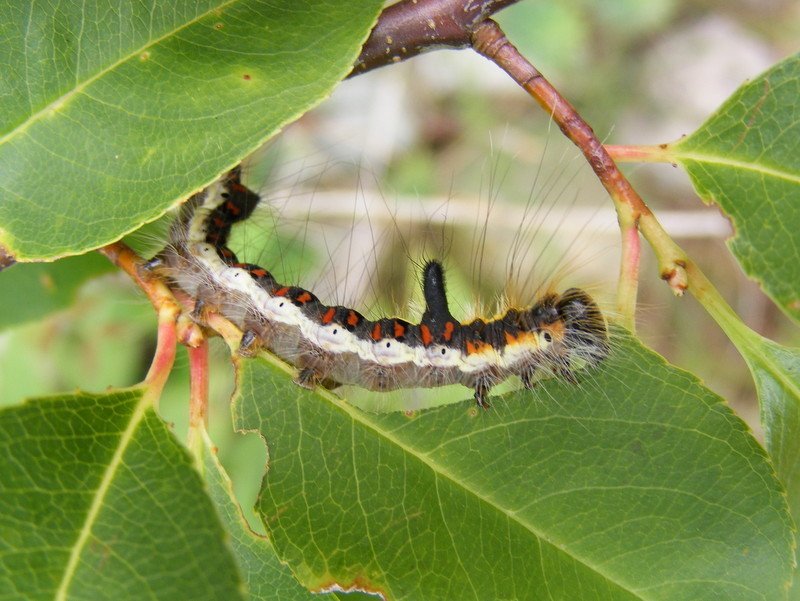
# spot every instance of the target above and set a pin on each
(776, 372)
(638, 484)
(264, 575)
(30, 292)
(746, 158)
(113, 111)
(99, 501)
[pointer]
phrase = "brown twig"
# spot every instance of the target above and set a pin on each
(411, 27)
(490, 41)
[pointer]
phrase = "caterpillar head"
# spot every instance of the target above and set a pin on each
(585, 333)
(567, 326)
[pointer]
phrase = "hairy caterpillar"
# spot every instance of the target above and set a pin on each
(338, 345)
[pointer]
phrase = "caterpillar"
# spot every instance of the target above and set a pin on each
(335, 345)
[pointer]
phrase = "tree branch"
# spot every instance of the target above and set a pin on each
(411, 27)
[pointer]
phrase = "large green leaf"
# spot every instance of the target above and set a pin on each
(638, 484)
(99, 501)
(30, 292)
(114, 110)
(746, 158)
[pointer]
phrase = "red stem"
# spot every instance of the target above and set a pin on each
(198, 386)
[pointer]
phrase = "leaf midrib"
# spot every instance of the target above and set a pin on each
(710, 159)
(64, 98)
(99, 497)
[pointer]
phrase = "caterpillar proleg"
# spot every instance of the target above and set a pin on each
(338, 345)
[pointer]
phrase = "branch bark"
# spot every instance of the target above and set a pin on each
(411, 27)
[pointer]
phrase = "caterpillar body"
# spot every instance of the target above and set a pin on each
(338, 345)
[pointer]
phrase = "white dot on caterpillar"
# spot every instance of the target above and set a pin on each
(544, 339)
(333, 339)
(278, 309)
(441, 356)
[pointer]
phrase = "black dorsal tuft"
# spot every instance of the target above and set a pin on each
(437, 312)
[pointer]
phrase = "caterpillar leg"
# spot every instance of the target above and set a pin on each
(307, 378)
(482, 388)
(249, 344)
(197, 311)
(567, 374)
(153, 263)
(527, 378)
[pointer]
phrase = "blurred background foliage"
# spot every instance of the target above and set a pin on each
(445, 157)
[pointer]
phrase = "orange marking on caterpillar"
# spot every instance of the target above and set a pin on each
(425, 333)
(352, 319)
(328, 316)
(259, 272)
(477, 347)
(304, 297)
(232, 207)
(557, 329)
(376, 332)
(510, 338)
(526, 338)
(282, 291)
(399, 330)
(449, 328)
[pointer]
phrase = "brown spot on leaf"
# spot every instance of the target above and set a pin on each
(47, 282)
(6, 258)
(358, 584)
